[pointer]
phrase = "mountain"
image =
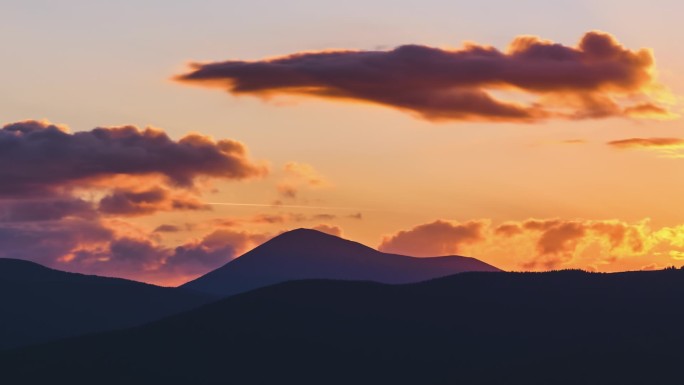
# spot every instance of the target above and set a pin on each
(38, 304)
(310, 254)
(567, 327)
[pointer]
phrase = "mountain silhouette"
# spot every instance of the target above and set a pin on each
(39, 304)
(567, 327)
(311, 254)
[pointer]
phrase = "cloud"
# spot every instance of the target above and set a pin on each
(298, 175)
(558, 242)
(287, 190)
(50, 209)
(329, 229)
(130, 203)
(63, 195)
(666, 147)
(648, 143)
(305, 172)
(598, 78)
(275, 218)
(166, 228)
(36, 157)
(212, 251)
(555, 243)
(546, 244)
(107, 248)
(49, 242)
(647, 110)
(574, 141)
(508, 229)
(433, 239)
(557, 238)
(324, 217)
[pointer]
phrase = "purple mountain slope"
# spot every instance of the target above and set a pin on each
(311, 254)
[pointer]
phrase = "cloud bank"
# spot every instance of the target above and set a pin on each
(545, 244)
(64, 198)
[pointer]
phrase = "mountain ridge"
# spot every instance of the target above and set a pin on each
(40, 304)
(564, 327)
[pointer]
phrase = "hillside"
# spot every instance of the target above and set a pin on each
(565, 327)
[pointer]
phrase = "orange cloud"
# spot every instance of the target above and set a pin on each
(648, 110)
(287, 190)
(648, 143)
(329, 229)
(433, 239)
(597, 78)
(667, 147)
(544, 244)
(298, 175)
(306, 173)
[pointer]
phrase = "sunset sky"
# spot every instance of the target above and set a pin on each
(157, 140)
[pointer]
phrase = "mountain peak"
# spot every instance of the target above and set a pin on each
(303, 239)
(304, 233)
(311, 254)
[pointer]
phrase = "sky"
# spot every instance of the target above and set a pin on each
(157, 140)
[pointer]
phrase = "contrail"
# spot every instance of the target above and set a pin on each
(285, 206)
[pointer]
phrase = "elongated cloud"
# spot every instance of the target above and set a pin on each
(38, 156)
(598, 78)
(131, 203)
(666, 147)
(54, 208)
(648, 143)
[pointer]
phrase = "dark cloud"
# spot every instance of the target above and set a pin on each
(129, 203)
(50, 209)
(51, 242)
(212, 251)
(433, 239)
(167, 229)
(95, 247)
(591, 80)
(38, 156)
(62, 196)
